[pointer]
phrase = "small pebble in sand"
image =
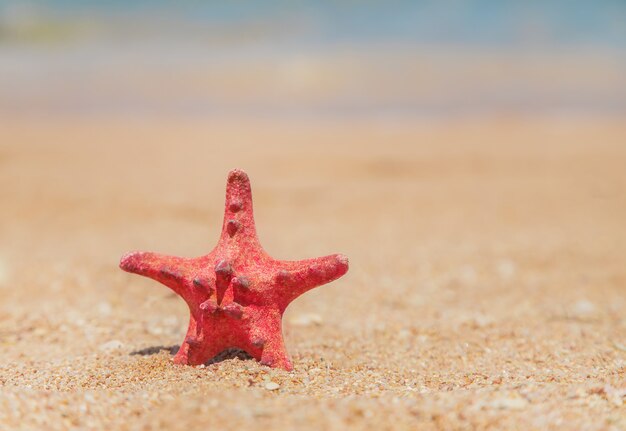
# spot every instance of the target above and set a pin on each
(404, 334)
(619, 346)
(482, 320)
(509, 403)
(272, 386)
(111, 345)
(467, 275)
(307, 319)
(583, 308)
(104, 308)
(506, 269)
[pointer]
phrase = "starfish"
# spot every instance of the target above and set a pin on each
(237, 293)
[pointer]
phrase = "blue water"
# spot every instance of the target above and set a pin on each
(395, 57)
(481, 22)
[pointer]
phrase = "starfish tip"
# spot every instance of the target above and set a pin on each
(238, 175)
(342, 259)
(128, 261)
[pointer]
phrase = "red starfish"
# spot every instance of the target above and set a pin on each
(237, 293)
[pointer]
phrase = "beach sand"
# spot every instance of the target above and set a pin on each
(487, 282)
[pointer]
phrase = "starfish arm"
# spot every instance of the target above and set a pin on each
(266, 340)
(171, 271)
(196, 348)
(238, 224)
(275, 354)
(188, 346)
(295, 278)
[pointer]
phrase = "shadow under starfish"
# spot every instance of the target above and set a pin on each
(227, 354)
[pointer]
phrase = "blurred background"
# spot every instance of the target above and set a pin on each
(398, 58)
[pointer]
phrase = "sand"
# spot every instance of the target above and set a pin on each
(487, 287)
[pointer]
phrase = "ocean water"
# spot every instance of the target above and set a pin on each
(483, 22)
(396, 57)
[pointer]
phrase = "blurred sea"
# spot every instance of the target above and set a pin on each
(385, 58)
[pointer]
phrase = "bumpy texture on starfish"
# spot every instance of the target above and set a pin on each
(237, 293)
